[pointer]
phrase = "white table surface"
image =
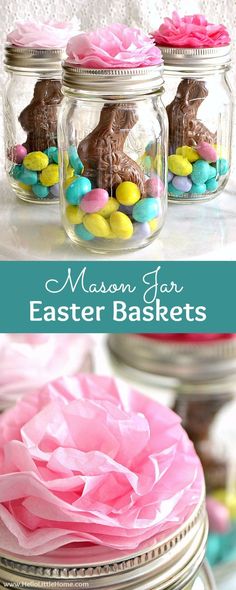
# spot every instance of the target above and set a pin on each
(205, 231)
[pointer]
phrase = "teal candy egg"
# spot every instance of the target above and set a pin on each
(212, 172)
(198, 189)
(40, 191)
(28, 177)
(16, 171)
(78, 166)
(222, 166)
(55, 156)
(212, 185)
(74, 159)
(83, 233)
(50, 152)
(146, 209)
(200, 172)
(214, 548)
(174, 191)
(77, 189)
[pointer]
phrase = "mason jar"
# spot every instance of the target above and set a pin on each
(113, 133)
(31, 99)
(199, 104)
(172, 563)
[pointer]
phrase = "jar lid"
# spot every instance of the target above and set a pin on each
(161, 565)
(113, 82)
(201, 366)
(29, 59)
(194, 59)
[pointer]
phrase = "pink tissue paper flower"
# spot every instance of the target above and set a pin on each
(89, 461)
(28, 361)
(114, 46)
(190, 31)
(43, 35)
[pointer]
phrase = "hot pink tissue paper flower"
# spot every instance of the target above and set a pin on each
(28, 361)
(43, 35)
(114, 46)
(87, 460)
(190, 31)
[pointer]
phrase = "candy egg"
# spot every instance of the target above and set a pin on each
(127, 193)
(206, 151)
(188, 152)
(36, 161)
(17, 153)
(74, 159)
(222, 166)
(218, 515)
(50, 151)
(111, 206)
(212, 185)
(141, 230)
(55, 156)
(16, 171)
(154, 186)
(155, 224)
(55, 190)
(228, 499)
(83, 233)
(69, 172)
(121, 225)
(169, 176)
(200, 172)
(97, 225)
(182, 183)
(198, 189)
(94, 200)
(77, 189)
(174, 191)
(179, 166)
(127, 209)
(25, 187)
(212, 172)
(146, 209)
(74, 214)
(50, 175)
(28, 177)
(40, 191)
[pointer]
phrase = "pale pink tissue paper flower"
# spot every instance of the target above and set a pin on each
(114, 46)
(190, 31)
(43, 35)
(86, 460)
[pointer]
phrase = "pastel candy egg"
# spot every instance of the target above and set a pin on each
(97, 225)
(222, 166)
(55, 156)
(17, 153)
(174, 191)
(25, 187)
(206, 151)
(214, 548)
(212, 172)
(69, 172)
(228, 499)
(83, 233)
(69, 181)
(36, 161)
(146, 209)
(188, 152)
(182, 183)
(212, 185)
(16, 171)
(94, 200)
(28, 177)
(111, 206)
(141, 230)
(179, 166)
(50, 175)
(169, 176)
(74, 214)
(127, 209)
(55, 190)
(218, 515)
(154, 186)
(127, 193)
(121, 225)
(147, 162)
(198, 189)
(50, 151)
(40, 191)
(77, 189)
(200, 172)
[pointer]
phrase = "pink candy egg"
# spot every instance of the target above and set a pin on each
(218, 515)
(95, 200)
(206, 151)
(17, 153)
(154, 186)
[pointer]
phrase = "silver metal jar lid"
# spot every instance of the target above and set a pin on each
(168, 564)
(115, 82)
(22, 59)
(206, 367)
(194, 59)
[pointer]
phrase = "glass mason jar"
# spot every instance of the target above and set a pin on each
(113, 131)
(31, 100)
(201, 374)
(199, 106)
(174, 563)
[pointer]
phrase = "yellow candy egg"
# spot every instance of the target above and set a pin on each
(36, 161)
(179, 165)
(69, 172)
(25, 187)
(228, 499)
(74, 214)
(96, 225)
(121, 225)
(50, 175)
(153, 224)
(188, 152)
(111, 206)
(127, 193)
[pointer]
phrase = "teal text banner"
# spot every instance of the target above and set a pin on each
(118, 297)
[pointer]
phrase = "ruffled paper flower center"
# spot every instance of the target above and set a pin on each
(190, 31)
